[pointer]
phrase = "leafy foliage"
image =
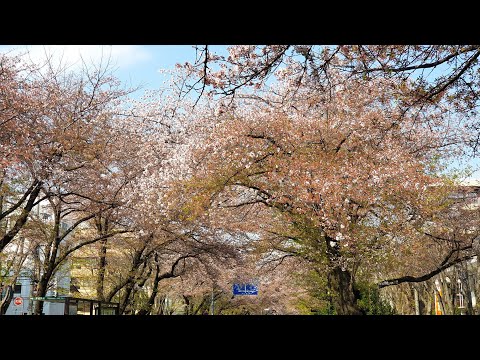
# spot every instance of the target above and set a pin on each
(371, 301)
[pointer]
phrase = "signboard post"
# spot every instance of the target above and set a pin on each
(18, 301)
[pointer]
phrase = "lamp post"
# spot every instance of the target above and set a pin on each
(461, 299)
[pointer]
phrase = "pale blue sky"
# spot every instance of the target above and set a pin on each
(136, 64)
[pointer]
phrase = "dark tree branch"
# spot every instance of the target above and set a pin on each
(19, 202)
(454, 78)
(8, 237)
(443, 266)
(425, 65)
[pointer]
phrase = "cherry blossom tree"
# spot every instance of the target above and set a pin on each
(55, 117)
(327, 176)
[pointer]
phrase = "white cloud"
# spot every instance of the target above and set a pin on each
(121, 56)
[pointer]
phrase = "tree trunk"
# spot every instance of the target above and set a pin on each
(417, 301)
(126, 297)
(3, 222)
(153, 295)
(6, 299)
(101, 270)
(447, 295)
(340, 283)
(421, 300)
(41, 292)
(187, 305)
(162, 308)
(472, 301)
(42, 288)
(344, 295)
(430, 308)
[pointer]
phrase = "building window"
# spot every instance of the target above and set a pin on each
(17, 289)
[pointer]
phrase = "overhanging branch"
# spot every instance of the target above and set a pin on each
(425, 277)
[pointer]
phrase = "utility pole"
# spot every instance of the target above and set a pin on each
(212, 302)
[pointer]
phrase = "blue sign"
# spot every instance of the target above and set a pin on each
(245, 289)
